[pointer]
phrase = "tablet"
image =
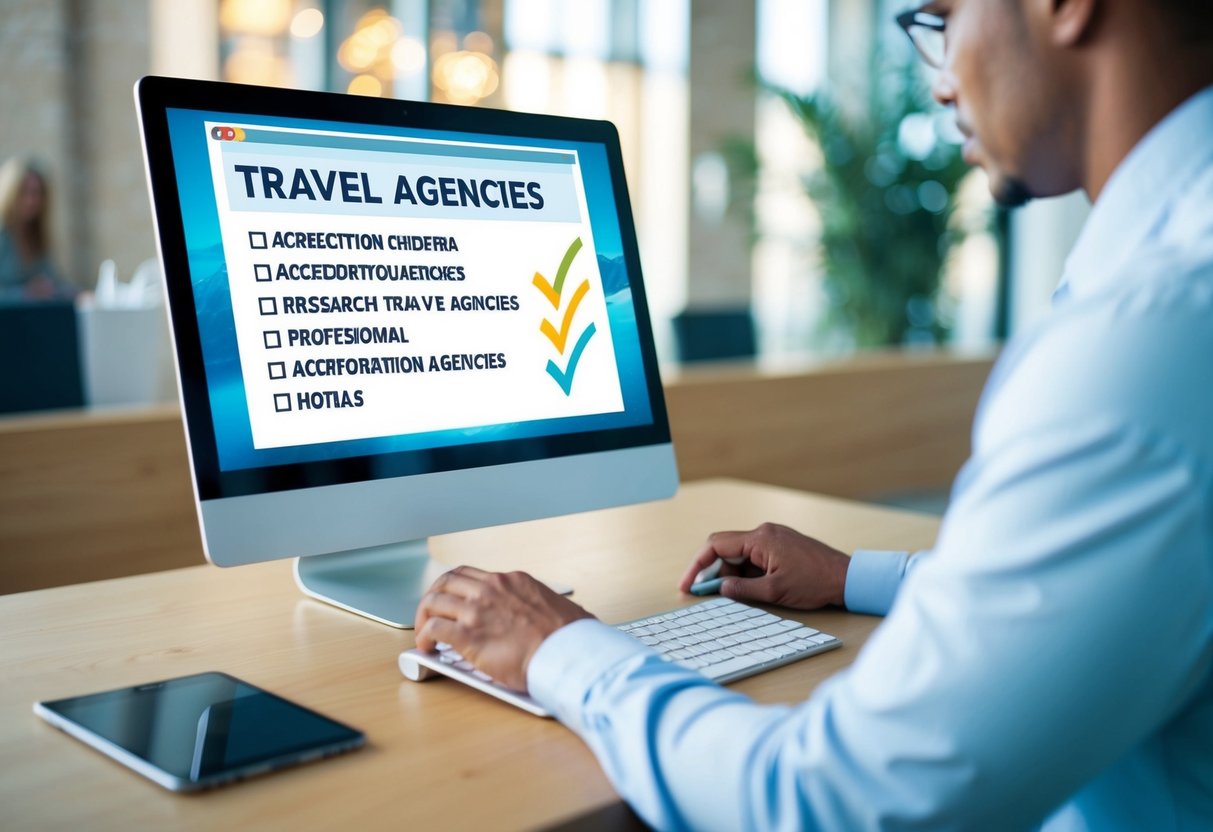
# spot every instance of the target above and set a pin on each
(199, 731)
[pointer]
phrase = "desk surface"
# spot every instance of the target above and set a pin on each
(439, 754)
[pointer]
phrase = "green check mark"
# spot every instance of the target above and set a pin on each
(552, 291)
(565, 378)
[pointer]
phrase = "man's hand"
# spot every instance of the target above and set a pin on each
(496, 620)
(779, 566)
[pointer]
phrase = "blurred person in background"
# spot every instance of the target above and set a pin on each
(26, 270)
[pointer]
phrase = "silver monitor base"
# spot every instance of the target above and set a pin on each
(383, 583)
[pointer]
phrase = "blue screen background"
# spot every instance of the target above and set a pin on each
(216, 324)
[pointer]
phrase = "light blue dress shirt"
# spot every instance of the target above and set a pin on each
(1051, 659)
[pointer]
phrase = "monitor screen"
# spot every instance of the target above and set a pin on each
(367, 291)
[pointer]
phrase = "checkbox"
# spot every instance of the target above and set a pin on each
(277, 369)
(269, 306)
(273, 340)
(261, 273)
(256, 239)
(282, 402)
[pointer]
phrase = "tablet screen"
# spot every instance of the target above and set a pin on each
(204, 727)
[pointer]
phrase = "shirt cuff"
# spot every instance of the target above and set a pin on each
(571, 660)
(872, 580)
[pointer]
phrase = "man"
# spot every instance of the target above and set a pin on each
(1051, 660)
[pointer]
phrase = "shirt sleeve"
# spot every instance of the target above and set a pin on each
(1006, 675)
(873, 577)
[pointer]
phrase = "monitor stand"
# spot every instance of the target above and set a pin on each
(383, 583)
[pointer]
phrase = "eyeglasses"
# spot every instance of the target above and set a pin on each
(926, 32)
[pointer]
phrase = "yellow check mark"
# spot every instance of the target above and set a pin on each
(559, 339)
(548, 292)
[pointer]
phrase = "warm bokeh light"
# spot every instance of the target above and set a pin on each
(254, 62)
(307, 23)
(374, 52)
(255, 17)
(478, 42)
(356, 54)
(443, 42)
(380, 29)
(408, 55)
(465, 77)
(365, 85)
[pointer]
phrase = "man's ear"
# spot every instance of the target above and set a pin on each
(1073, 20)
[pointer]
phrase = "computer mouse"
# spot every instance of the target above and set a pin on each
(707, 587)
(712, 572)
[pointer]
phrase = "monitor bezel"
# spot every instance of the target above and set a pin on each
(156, 95)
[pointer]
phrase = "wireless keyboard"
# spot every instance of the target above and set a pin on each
(721, 639)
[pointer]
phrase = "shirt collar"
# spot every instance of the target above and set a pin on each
(1138, 196)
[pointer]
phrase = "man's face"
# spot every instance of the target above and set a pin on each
(1012, 97)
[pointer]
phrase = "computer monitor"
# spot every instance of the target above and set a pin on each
(394, 320)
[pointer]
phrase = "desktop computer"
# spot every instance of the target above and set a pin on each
(394, 320)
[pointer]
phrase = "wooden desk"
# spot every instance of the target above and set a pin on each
(439, 754)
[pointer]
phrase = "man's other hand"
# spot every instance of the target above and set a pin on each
(496, 620)
(777, 565)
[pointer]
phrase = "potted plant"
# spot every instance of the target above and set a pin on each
(886, 192)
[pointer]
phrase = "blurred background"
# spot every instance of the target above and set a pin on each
(796, 192)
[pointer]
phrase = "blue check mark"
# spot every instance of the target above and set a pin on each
(565, 378)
